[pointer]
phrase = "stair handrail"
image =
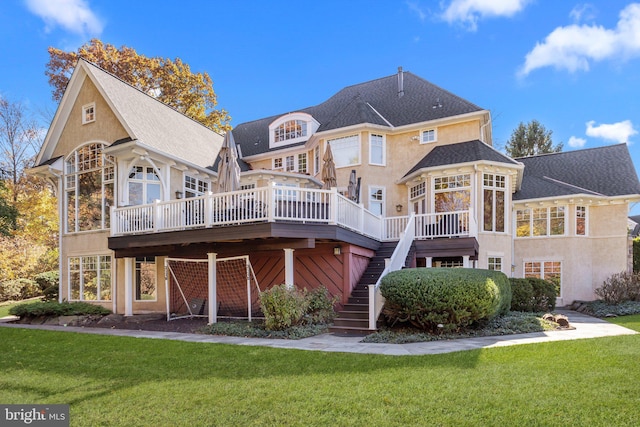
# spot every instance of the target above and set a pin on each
(395, 262)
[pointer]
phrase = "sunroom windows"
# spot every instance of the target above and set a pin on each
(88, 184)
(452, 193)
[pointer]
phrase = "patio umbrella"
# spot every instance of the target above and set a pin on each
(228, 167)
(353, 186)
(328, 169)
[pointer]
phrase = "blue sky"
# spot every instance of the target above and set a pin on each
(574, 66)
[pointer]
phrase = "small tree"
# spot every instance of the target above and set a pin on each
(530, 140)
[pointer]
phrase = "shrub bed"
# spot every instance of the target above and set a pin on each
(55, 309)
(532, 295)
(48, 282)
(444, 299)
(283, 307)
(619, 288)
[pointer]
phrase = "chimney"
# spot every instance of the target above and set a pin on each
(400, 82)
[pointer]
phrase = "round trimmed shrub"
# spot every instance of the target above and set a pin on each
(533, 295)
(445, 299)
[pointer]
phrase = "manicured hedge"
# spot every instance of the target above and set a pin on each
(54, 309)
(445, 299)
(532, 295)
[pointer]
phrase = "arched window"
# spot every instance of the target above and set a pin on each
(89, 176)
(290, 129)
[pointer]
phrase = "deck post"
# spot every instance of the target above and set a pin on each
(208, 209)
(271, 204)
(129, 267)
(372, 307)
(333, 206)
(288, 268)
(213, 299)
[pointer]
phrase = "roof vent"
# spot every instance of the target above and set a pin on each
(400, 82)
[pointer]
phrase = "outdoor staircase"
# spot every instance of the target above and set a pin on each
(354, 317)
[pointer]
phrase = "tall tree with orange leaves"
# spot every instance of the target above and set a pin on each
(170, 81)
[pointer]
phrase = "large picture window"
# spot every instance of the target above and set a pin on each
(90, 278)
(540, 221)
(346, 151)
(89, 177)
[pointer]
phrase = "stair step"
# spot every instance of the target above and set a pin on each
(356, 307)
(352, 323)
(345, 330)
(345, 314)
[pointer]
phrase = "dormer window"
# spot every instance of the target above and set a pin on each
(88, 113)
(290, 129)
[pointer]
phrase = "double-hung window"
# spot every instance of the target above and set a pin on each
(494, 202)
(376, 150)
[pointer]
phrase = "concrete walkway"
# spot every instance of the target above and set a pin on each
(585, 327)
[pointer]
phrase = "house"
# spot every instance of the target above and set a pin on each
(135, 179)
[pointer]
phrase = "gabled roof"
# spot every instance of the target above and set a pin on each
(463, 152)
(145, 119)
(375, 102)
(603, 171)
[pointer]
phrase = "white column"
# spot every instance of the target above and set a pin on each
(129, 269)
(288, 268)
(465, 261)
(429, 262)
(213, 298)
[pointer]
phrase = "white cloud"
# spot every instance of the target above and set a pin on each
(573, 47)
(72, 15)
(616, 132)
(583, 12)
(415, 8)
(575, 142)
(468, 12)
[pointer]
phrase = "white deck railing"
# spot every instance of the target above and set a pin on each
(395, 262)
(288, 204)
(432, 225)
(263, 204)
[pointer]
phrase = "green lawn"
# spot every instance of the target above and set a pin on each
(114, 381)
(5, 306)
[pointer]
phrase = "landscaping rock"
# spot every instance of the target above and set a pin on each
(142, 318)
(111, 319)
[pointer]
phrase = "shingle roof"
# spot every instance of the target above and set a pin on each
(463, 152)
(606, 171)
(375, 102)
(157, 125)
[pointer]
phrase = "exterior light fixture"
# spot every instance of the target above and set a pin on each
(179, 194)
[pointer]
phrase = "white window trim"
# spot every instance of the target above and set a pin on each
(435, 135)
(359, 139)
(545, 236)
(312, 127)
(383, 202)
(296, 163)
(494, 188)
(586, 220)
(155, 278)
(85, 255)
(198, 181)
(84, 113)
(384, 149)
(542, 261)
